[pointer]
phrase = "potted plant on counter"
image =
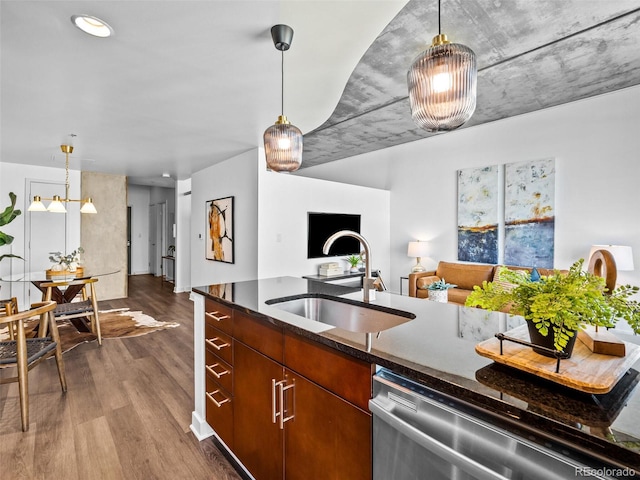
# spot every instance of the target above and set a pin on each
(438, 291)
(557, 306)
(353, 261)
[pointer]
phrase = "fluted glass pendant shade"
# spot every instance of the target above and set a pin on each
(283, 146)
(282, 140)
(442, 86)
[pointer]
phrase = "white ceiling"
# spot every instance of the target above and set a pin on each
(184, 84)
(180, 86)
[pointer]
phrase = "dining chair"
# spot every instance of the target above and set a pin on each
(9, 306)
(25, 353)
(85, 308)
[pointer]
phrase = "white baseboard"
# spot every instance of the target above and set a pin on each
(200, 427)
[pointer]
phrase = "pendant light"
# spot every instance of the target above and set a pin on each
(282, 140)
(57, 203)
(442, 85)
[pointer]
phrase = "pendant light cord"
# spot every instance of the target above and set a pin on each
(66, 180)
(439, 29)
(282, 82)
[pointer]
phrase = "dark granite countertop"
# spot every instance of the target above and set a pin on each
(437, 349)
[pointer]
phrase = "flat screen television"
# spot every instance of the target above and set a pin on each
(322, 225)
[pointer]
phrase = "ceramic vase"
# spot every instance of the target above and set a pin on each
(438, 296)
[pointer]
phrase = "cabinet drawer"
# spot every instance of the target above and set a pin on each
(219, 343)
(218, 315)
(259, 335)
(219, 371)
(341, 374)
(219, 407)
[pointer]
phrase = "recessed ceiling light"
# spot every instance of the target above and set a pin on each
(166, 175)
(92, 25)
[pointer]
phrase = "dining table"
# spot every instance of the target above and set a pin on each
(61, 293)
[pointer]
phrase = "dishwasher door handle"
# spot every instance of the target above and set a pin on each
(439, 449)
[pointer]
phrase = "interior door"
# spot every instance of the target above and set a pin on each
(161, 236)
(153, 264)
(128, 240)
(46, 233)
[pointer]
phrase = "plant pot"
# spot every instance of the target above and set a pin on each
(354, 270)
(538, 339)
(438, 295)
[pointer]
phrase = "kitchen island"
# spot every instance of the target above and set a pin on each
(437, 349)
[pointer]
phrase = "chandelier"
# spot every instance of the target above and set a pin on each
(57, 203)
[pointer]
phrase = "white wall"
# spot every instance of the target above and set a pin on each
(183, 237)
(271, 219)
(16, 178)
(284, 202)
(595, 143)
(139, 198)
(235, 177)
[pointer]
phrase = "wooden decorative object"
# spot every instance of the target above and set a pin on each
(585, 371)
(603, 265)
(602, 341)
(53, 273)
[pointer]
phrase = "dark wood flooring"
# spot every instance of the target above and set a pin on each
(127, 411)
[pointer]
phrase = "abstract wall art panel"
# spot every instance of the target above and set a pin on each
(478, 214)
(219, 242)
(530, 213)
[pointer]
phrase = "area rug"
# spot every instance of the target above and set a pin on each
(117, 323)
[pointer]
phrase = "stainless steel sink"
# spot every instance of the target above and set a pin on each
(342, 313)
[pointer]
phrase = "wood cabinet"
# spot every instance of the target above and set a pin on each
(328, 437)
(259, 442)
(299, 409)
(219, 369)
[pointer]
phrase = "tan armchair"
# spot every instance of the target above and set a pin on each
(25, 353)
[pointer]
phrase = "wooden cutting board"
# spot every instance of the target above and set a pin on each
(585, 371)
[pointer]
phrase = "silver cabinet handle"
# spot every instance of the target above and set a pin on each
(274, 408)
(214, 315)
(219, 374)
(278, 411)
(218, 403)
(283, 388)
(217, 346)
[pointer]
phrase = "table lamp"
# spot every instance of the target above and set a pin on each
(417, 249)
(622, 254)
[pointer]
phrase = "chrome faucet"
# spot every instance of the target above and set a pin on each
(367, 281)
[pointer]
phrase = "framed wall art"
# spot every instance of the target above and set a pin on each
(478, 214)
(529, 213)
(219, 238)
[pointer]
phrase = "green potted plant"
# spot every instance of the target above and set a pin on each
(438, 291)
(353, 261)
(557, 306)
(7, 216)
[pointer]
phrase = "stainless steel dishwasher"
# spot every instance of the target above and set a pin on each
(421, 434)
